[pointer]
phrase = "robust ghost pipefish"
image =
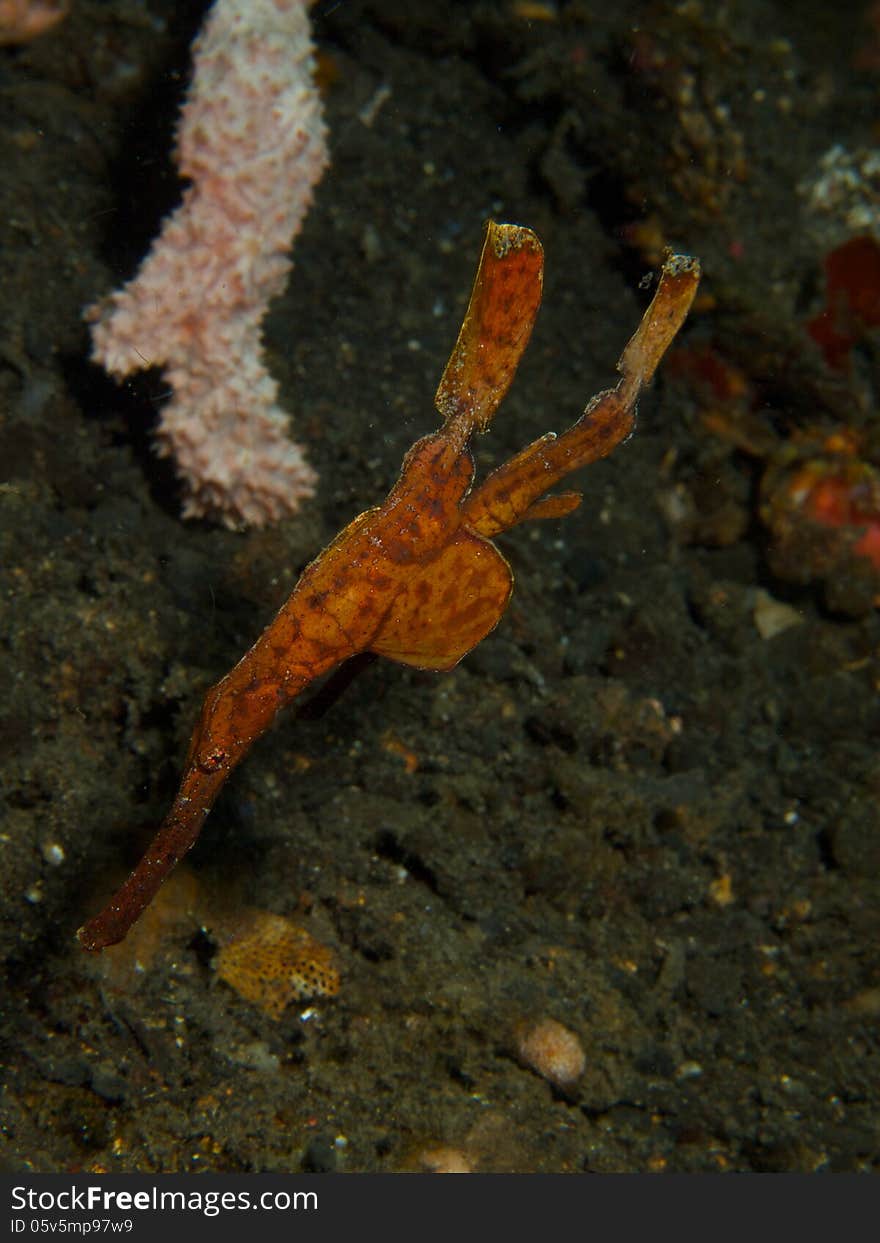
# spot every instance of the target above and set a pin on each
(417, 579)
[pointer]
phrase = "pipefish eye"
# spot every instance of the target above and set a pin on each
(214, 760)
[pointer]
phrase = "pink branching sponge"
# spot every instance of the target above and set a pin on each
(23, 20)
(251, 140)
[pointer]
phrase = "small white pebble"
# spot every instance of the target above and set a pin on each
(552, 1051)
(444, 1161)
(688, 1070)
(53, 853)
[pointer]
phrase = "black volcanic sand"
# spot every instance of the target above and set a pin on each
(629, 810)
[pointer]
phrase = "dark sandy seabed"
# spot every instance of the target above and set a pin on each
(629, 809)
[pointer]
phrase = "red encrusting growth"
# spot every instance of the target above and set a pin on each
(852, 299)
(839, 494)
